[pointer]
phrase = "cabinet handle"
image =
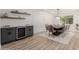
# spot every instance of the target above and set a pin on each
(9, 33)
(29, 29)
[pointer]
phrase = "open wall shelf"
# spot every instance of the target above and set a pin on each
(6, 16)
(18, 12)
(10, 17)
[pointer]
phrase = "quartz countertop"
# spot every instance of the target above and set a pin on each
(14, 26)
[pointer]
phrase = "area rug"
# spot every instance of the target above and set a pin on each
(63, 38)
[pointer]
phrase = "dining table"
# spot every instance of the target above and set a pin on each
(58, 29)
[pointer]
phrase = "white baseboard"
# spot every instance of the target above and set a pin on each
(38, 32)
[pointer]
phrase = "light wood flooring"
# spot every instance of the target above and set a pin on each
(40, 43)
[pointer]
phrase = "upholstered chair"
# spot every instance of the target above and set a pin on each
(50, 29)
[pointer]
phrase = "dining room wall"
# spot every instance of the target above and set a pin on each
(39, 18)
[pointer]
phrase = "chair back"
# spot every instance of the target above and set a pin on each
(50, 28)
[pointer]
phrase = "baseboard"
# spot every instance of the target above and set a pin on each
(39, 32)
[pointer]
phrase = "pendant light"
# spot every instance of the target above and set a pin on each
(57, 17)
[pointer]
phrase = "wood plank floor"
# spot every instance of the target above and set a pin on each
(40, 43)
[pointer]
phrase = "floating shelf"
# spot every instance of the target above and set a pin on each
(17, 12)
(10, 17)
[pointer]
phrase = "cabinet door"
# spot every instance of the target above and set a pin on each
(26, 31)
(4, 37)
(8, 34)
(11, 34)
(29, 31)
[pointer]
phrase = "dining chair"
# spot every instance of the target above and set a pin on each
(50, 29)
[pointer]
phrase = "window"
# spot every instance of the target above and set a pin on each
(66, 19)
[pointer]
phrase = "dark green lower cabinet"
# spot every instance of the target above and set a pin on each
(8, 35)
(29, 31)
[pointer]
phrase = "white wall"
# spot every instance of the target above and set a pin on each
(39, 18)
(13, 22)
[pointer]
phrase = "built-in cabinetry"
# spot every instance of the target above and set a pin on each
(12, 33)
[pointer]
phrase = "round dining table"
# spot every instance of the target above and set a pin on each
(58, 29)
